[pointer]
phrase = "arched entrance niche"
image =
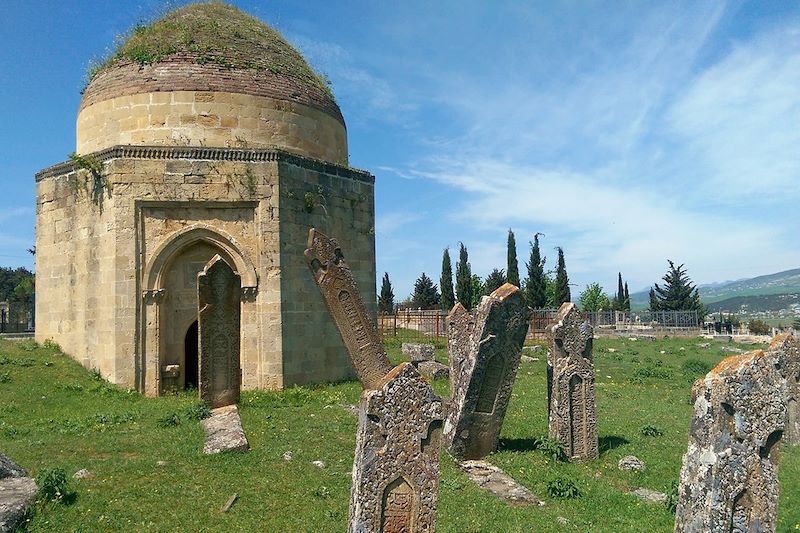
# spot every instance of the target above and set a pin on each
(171, 301)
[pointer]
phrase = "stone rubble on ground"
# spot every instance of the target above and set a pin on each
(83, 474)
(631, 463)
(17, 492)
(318, 464)
(288, 455)
(650, 496)
(433, 370)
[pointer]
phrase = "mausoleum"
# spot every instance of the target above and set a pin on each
(205, 134)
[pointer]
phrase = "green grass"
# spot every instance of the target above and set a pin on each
(55, 414)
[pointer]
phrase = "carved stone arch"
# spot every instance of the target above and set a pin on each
(230, 250)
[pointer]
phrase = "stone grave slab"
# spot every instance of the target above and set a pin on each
(493, 479)
(786, 348)
(571, 402)
(729, 477)
(485, 352)
(224, 431)
(417, 353)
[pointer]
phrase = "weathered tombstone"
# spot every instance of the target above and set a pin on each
(571, 384)
(417, 353)
(485, 352)
(786, 348)
(219, 318)
(729, 478)
(396, 466)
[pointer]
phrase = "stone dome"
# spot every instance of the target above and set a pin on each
(210, 75)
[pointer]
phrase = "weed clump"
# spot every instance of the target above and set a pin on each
(562, 487)
(52, 485)
(649, 430)
(695, 367)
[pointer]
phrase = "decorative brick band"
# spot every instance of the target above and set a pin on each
(183, 72)
(250, 155)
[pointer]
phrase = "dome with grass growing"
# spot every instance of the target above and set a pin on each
(202, 54)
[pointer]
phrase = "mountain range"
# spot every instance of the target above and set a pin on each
(769, 293)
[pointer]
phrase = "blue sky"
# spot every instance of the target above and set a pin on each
(628, 133)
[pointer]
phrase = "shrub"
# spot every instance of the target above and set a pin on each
(169, 421)
(552, 448)
(649, 430)
(562, 487)
(5, 377)
(672, 498)
(198, 411)
(696, 367)
(758, 327)
(52, 484)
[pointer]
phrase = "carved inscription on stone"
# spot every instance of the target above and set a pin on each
(729, 478)
(398, 507)
(219, 318)
(396, 467)
(344, 303)
(485, 350)
(571, 390)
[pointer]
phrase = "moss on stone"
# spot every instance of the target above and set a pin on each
(214, 32)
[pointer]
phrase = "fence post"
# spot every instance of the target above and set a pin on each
(395, 323)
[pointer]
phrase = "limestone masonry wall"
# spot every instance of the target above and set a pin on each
(197, 118)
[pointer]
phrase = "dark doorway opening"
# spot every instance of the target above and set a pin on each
(191, 358)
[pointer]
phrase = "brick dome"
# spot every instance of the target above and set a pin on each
(209, 74)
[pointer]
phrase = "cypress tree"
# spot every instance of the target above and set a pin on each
(446, 282)
(535, 283)
(386, 299)
(513, 266)
(619, 299)
(464, 278)
(562, 280)
(653, 300)
(627, 298)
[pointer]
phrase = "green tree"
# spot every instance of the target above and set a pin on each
(677, 294)
(796, 323)
(536, 282)
(477, 290)
(562, 280)
(17, 288)
(627, 298)
(386, 299)
(513, 266)
(758, 327)
(446, 282)
(426, 294)
(464, 278)
(594, 299)
(619, 297)
(494, 280)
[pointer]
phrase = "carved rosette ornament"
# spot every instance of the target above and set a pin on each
(571, 384)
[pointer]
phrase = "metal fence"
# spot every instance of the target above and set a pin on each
(415, 325)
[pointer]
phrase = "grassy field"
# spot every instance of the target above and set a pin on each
(150, 474)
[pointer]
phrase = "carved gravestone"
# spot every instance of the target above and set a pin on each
(344, 303)
(396, 469)
(571, 384)
(485, 352)
(396, 466)
(786, 348)
(729, 478)
(219, 318)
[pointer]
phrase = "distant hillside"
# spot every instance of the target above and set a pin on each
(784, 284)
(765, 303)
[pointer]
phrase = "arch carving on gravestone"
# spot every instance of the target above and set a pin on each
(219, 323)
(397, 507)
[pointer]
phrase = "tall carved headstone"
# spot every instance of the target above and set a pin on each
(219, 319)
(571, 384)
(729, 478)
(485, 350)
(396, 466)
(786, 348)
